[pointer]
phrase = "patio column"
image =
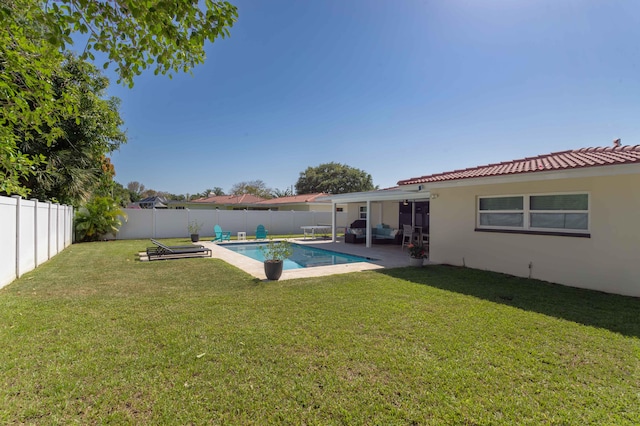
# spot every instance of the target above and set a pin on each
(368, 223)
(413, 214)
(333, 221)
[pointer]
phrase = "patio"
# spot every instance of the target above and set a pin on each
(385, 256)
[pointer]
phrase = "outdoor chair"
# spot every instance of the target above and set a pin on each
(220, 234)
(261, 233)
(162, 251)
(407, 235)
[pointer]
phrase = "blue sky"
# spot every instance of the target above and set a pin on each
(396, 88)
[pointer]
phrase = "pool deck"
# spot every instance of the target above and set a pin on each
(385, 256)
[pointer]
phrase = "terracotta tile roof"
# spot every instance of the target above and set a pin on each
(565, 160)
(303, 198)
(230, 199)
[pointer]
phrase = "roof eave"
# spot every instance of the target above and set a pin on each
(584, 172)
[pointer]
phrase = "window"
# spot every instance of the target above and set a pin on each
(569, 211)
(363, 212)
(566, 213)
(501, 211)
(339, 209)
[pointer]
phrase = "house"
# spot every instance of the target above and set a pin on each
(223, 202)
(568, 217)
(303, 202)
(153, 202)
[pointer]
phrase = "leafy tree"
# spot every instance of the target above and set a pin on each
(120, 194)
(134, 35)
(215, 191)
(76, 164)
(136, 188)
(333, 178)
(99, 216)
(278, 193)
(253, 187)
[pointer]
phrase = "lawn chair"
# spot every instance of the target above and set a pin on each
(261, 233)
(407, 235)
(162, 251)
(221, 235)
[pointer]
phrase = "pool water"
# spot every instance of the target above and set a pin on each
(302, 256)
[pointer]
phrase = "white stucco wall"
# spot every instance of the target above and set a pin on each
(608, 261)
(386, 212)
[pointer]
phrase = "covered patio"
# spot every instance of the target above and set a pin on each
(385, 198)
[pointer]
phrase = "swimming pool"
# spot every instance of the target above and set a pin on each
(302, 256)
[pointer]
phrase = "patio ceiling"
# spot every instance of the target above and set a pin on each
(393, 194)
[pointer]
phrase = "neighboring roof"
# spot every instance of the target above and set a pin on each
(230, 199)
(296, 199)
(565, 160)
(153, 201)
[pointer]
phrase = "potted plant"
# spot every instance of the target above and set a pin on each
(194, 227)
(274, 254)
(417, 253)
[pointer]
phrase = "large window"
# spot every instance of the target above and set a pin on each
(549, 212)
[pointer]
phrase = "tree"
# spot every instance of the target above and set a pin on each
(253, 187)
(136, 187)
(168, 36)
(333, 178)
(100, 216)
(278, 193)
(215, 191)
(76, 160)
(135, 35)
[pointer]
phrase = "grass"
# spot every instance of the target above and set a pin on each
(94, 336)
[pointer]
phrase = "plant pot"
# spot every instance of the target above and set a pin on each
(195, 238)
(416, 261)
(273, 269)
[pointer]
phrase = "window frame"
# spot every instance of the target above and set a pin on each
(527, 211)
(362, 212)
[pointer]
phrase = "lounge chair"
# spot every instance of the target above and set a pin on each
(162, 251)
(220, 234)
(261, 233)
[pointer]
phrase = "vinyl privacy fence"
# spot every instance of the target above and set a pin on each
(173, 223)
(31, 232)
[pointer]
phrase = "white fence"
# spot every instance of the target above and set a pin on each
(160, 223)
(31, 232)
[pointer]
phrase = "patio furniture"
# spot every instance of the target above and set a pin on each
(407, 235)
(384, 234)
(162, 251)
(311, 230)
(356, 232)
(220, 234)
(261, 233)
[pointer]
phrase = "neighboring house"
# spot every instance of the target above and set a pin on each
(570, 217)
(304, 202)
(223, 202)
(307, 202)
(153, 202)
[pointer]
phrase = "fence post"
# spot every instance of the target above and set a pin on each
(57, 228)
(35, 232)
(18, 201)
(48, 230)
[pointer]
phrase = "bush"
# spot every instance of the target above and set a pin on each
(100, 216)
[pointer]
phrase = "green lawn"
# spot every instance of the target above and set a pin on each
(95, 336)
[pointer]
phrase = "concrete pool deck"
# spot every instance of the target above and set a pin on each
(383, 256)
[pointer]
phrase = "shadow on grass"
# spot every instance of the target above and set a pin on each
(619, 314)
